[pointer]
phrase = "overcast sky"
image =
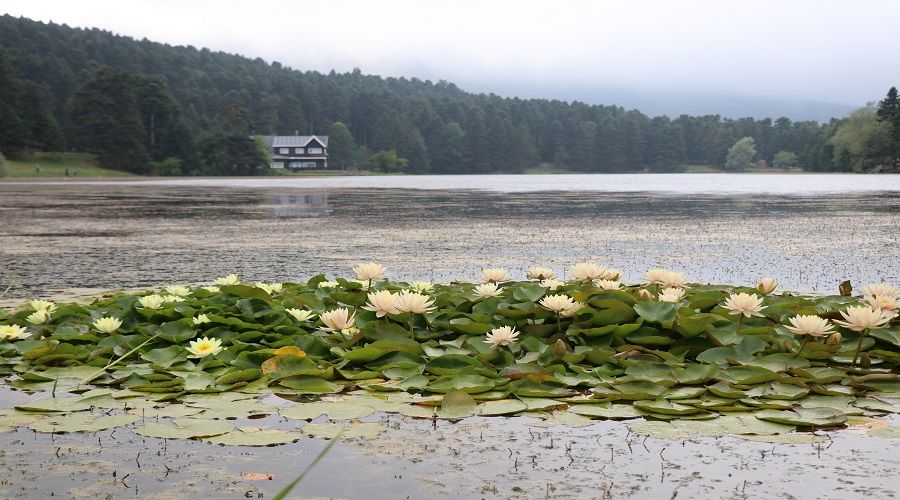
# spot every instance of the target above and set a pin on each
(844, 52)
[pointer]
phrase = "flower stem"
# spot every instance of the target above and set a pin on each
(862, 335)
(411, 316)
(802, 345)
(369, 287)
(558, 323)
(740, 324)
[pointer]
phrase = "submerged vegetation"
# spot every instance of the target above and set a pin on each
(686, 357)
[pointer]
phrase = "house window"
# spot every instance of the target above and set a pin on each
(296, 164)
(309, 164)
(298, 151)
(314, 151)
(276, 164)
(284, 151)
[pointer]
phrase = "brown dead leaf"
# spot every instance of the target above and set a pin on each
(256, 476)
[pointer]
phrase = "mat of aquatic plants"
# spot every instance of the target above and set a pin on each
(673, 358)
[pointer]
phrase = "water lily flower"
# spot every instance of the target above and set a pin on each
(178, 290)
(151, 301)
(541, 273)
(231, 279)
(486, 290)
(494, 275)
(587, 271)
(172, 298)
(503, 335)
(204, 347)
(552, 283)
(666, 278)
(382, 303)
(414, 303)
(645, 294)
(811, 325)
(301, 315)
(338, 319)
(271, 289)
(671, 294)
(38, 317)
(879, 290)
(369, 272)
(568, 313)
(885, 303)
(43, 305)
(744, 304)
(611, 274)
(211, 289)
(557, 303)
(200, 319)
(328, 284)
(421, 286)
(766, 286)
(13, 332)
(608, 284)
(859, 318)
(107, 324)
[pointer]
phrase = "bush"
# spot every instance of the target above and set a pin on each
(2, 165)
(169, 167)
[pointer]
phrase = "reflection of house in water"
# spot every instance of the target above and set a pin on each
(305, 204)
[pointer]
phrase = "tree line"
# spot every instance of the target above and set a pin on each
(153, 108)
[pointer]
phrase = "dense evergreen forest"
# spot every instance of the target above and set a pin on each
(148, 107)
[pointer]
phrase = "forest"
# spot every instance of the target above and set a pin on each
(152, 108)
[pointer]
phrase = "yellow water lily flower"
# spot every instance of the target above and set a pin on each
(503, 335)
(811, 325)
(414, 303)
(766, 286)
(43, 305)
(369, 271)
(178, 290)
(494, 275)
(204, 347)
(107, 324)
(328, 284)
(338, 319)
(301, 315)
(151, 301)
(859, 318)
(231, 279)
(382, 303)
(172, 298)
(211, 289)
(200, 319)
(541, 273)
(38, 317)
(744, 303)
(486, 290)
(270, 288)
(13, 332)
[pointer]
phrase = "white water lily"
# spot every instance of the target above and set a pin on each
(541, 273)
(587, 271)
(382, 303)
(608, 284)
(879, 290)
(200, 319)
(671, 294)
(328, 284)
(744, 303)
(107, 324)
(557, 303)
(552, 284)
(338, 319)
(494, 275)
(13, 332)
(568, 313)
(178, 290)
(859, 318)
(172, 298)
(301, 315)
(766, 286)
(414, 303)
(271, 288)
(486, 290)
(211, 289)
(811, 325)
(421, 286)
(666, 278)
(38, 317)
(501, 336)
(369, 271)
(204, 347)
(231, 279)
(151, 301)
(885, 303)
(611, 274)
(43, 305)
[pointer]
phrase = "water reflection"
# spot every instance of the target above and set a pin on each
(313, 203)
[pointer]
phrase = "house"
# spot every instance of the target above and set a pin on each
(298, 152)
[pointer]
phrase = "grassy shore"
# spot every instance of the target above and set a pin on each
(55, 165)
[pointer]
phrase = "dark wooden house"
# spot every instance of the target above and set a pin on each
(298, 152)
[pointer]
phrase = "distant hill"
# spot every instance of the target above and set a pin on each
(437, 126)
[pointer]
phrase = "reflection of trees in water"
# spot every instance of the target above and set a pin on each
(305, 204)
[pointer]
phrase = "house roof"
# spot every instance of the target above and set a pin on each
(295, 141)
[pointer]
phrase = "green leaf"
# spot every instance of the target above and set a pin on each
(307, 384)
(253, 436)
(81, 422)
(656, 312)
(185, 428)
(457, 404)
(804, 417)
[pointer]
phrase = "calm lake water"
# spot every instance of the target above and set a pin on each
(58, 236)
(809, 231)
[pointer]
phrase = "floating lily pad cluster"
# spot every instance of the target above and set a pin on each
(199, 356)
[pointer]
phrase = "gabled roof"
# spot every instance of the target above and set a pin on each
(294, 141)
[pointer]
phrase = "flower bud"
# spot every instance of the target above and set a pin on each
(645, 294)
(766, 285)
(834, 339)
